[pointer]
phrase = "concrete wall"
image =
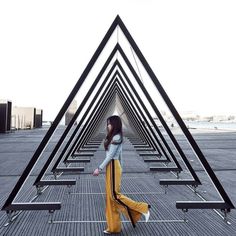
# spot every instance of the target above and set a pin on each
(23, 117)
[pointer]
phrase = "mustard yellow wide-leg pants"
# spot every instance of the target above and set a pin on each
(117, 203)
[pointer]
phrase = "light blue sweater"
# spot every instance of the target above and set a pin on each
(114, 151)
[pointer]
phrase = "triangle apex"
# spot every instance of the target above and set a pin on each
(118, 17)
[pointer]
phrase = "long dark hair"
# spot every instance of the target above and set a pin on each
(116, 124)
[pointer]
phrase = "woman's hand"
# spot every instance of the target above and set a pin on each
(96, 172)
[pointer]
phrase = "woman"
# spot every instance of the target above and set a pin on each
(115, 201)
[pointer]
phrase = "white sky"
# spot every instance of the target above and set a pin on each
(190, 45)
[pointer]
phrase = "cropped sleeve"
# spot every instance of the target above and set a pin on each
(111, 152)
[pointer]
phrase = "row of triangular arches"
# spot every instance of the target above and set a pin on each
(117, 90)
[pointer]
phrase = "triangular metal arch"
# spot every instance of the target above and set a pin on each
(89, 122)
(75, 115)
(39, 181)
(225, 204)
(75, 131)
(177, 168)
(81, 106)
(195, 181)
(138, 98)
(56, 169)
(154, 124)
(85, 129)
(136, 108)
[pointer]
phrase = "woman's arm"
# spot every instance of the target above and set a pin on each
(109, 155)
(111, 152)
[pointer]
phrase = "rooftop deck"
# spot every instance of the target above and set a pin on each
(83, 205)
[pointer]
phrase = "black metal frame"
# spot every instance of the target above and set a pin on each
(9, 202)
(80, 108)
(143, 116)
(147, 113)
(138, 117)
(158, 113)
(85, 137)
(141, 129)
(87, 126)
(225, 204)
(100, 115)
(82, 135)
(195, 181)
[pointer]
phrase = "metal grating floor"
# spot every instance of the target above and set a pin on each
(83, 205)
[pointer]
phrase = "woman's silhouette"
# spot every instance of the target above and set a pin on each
(115, 201)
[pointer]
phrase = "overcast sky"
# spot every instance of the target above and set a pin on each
(190, 45)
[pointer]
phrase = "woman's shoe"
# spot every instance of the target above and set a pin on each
(147, 215)
(106, 232)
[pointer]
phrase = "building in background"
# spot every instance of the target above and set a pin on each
(26, 118)
(39, 118)
(5, 116)
(70, 112)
